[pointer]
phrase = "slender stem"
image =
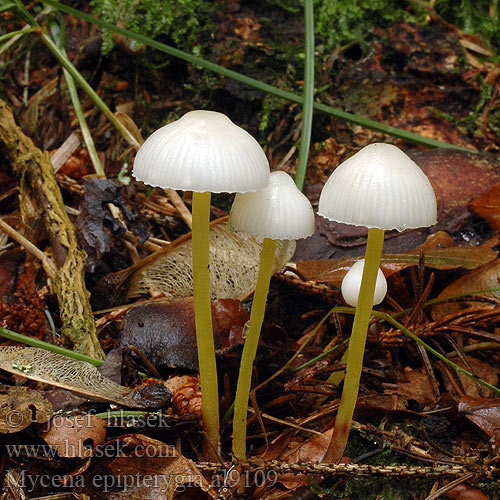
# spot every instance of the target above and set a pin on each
(308, 104)
(203, 317)
(356, 347)
(33, 342)
(75, 100)
(252, 82)
(250, 348)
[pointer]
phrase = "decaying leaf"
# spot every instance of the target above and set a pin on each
(164, 331)
(55, 369)
(483, 278)
(75, 436)
(485, 413)
(333, 270)
(20, 406)
(147, 469)
(489, 372)
(234, 263)
(97, 228)
(488, 206)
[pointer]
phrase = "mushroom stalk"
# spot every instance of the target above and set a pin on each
(203, 316)
(250, 348)
(356, 347)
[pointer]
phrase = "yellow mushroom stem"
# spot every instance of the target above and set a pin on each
(203, 317)
(250, 348)
(356, 347)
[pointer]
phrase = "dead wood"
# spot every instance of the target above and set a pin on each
(39, 184)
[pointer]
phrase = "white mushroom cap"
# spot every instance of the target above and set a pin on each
(352, 283)
(279, 211)
(380, 186)
(202, 151)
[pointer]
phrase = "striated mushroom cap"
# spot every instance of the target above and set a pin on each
(380, 186)
(202, 151)
(279, 211)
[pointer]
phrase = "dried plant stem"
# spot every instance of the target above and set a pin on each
(48, 266)
(356, 347)
(250, 348)
(180, 206)
(479, 472)
(203, 317)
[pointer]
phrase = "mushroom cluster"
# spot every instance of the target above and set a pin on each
(379, 187)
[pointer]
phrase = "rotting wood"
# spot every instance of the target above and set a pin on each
(34, 169)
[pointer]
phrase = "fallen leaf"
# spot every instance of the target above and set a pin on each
(488, 206)
(466, 492)
(146, 469)
(483, 278)
(333, 270)
(58, 370)
(415, 385)
(97, 228)
(75, 436)
(485, 413)
(489, 372)
(20, 406)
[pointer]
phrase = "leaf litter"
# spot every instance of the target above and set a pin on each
(403, 391)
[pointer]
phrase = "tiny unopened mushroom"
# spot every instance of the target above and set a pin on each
(203, 152)
(381, 188)
(351, 284)
(278, 212)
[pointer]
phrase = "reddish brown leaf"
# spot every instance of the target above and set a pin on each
(78, 436)
(485, 413)
(488, 206)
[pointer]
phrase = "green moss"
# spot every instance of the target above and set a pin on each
(180, 20)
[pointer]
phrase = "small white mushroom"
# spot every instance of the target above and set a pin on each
(277, 212)
(351, 285)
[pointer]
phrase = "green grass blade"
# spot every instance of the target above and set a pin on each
(307, 107)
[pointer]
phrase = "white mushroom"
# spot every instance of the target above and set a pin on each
(278, 212)
(203, 152)
(381, 188)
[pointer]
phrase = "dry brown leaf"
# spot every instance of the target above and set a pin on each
(486, 371)
(485, 413)
(483, 278)
(147, 469)
(333, 270)
(488, 206)
(20, 406)
(76, 436)
(416, 385)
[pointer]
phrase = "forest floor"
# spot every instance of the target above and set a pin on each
(422, 430)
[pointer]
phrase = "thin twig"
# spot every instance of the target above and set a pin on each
(28, 246)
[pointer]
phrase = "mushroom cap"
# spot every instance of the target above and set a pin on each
(380, 186)
(279, 211)
(352, 283)
(202, 151)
